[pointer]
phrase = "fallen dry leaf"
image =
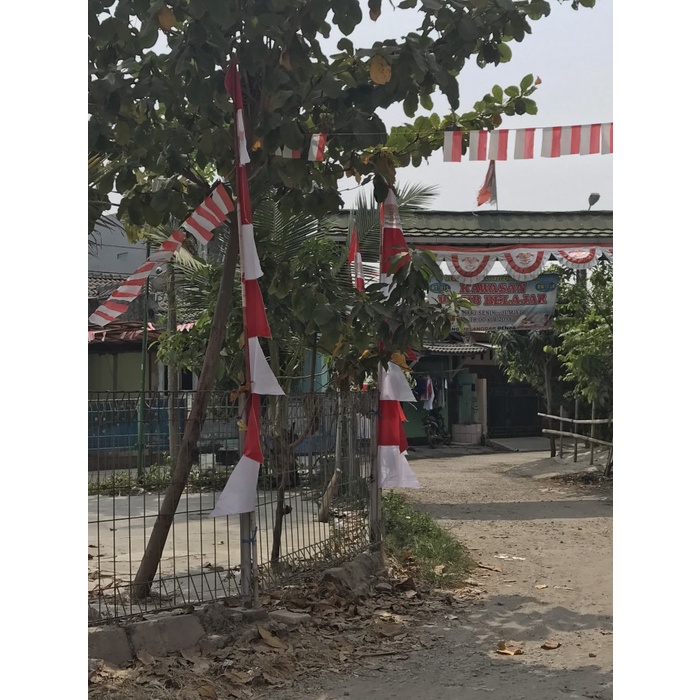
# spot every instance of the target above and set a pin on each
(502, 648)
(192, 655)
(439, 569)
(145, 657)
(207, 691)
(541, 586)
(551, 644)
(270, 638)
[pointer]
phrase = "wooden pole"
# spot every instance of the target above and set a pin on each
(173, 374)
(140, 466)
(592, 431)
(561, 428)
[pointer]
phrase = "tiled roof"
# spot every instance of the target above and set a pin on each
(493, 227)
(102, 284)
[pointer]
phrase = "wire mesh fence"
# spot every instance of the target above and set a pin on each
(311, 506)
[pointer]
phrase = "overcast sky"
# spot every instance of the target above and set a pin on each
(571, 51)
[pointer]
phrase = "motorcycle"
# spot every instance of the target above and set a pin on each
(435, 429)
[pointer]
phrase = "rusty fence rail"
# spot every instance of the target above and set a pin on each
(312, 507)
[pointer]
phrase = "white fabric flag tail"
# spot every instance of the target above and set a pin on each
(394, 385)
(394, 470)
(240, 493)
(263, 380)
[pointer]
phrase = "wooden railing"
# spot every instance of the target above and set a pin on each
(590, 440)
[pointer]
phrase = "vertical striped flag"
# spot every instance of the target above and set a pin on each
(354, 257)
(317, 147)
(524, 143)
(498, 145)
(478, 145)
(452, 147)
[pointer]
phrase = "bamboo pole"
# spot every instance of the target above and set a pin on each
(605, 443)
(561, 427)
(592, 431)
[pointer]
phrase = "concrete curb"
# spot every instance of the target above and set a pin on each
(215, 625)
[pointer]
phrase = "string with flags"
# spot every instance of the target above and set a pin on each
(211, 213)
(240, 492)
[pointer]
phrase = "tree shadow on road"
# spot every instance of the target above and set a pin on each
(521, 510)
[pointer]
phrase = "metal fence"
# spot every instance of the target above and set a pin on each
(312, 506)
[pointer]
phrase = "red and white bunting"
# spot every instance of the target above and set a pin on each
(478, 145)
(317, 147)
(288, 152)
(524, 264)
(452, 147)
(524, 144)
(578, 259)
(498, 145)
(213, 212)
(240, 493)
(472, 267)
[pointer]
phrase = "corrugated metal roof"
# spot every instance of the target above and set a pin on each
(493, 227)
(447, 348)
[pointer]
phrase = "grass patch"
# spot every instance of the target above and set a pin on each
(415, 538)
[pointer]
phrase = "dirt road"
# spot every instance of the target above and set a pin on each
(552, 542)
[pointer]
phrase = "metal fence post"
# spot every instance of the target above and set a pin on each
(592, 431)
(375, 493)
(576, 430)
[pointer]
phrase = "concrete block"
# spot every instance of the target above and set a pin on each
(109, 644)
(289, 618)
(167, 634)
(252, 614)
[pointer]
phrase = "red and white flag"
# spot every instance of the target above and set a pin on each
(551, 142)
(355, 259)
(392, 241)
(498, 145)
(524, 144)
(452, 147)
(590, 139)
(317, 147)
(488, 193)
(478, 145)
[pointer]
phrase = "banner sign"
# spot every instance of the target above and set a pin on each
(500, 303)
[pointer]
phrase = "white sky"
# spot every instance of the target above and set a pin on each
(572, 54)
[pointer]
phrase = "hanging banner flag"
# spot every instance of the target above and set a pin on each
(590, 139)
(393, 384)
(551, 142)
(524, 144)
(500, 302)
(452, 147)
(478, 145)
(488, 192)
(498, 145)
(471, 267)
(217, 206)
(317, 147)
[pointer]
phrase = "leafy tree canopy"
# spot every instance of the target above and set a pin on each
(159, 109)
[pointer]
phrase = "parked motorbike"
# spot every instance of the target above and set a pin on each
(435, 429)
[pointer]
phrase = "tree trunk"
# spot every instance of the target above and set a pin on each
(173, 375)
(143, 580)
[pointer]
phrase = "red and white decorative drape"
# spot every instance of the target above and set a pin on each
(204, 219)
(240, 493)
(522, 263)
(393, 470)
